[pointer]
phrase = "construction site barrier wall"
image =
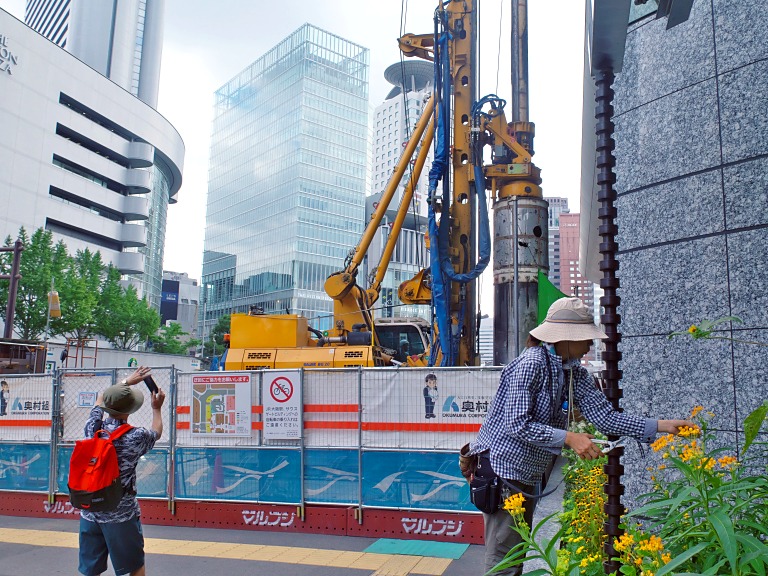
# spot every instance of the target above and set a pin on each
(367, 438)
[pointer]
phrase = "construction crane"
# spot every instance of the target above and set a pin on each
(464, 127)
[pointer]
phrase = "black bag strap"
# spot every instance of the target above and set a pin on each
(517, 490)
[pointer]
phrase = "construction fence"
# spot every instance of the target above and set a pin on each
(364, 437)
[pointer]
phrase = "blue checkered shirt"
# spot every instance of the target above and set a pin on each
(526, 424)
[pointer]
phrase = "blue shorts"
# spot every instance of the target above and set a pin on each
(123, 542)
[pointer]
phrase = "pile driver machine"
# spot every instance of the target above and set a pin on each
(467, 130)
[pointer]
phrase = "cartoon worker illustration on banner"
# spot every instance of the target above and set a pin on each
(5, 397)
(430, 396)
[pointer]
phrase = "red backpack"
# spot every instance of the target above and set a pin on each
(94, 474)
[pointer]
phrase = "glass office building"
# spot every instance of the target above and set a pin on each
(287, 177)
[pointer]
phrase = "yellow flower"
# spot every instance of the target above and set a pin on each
(514, 504)
(693, 329)
(661, 442)
(666, 557)
(726, 461)
(696, 410)
(687, 431)
(638, 561)
(653, 544)
(584, 563)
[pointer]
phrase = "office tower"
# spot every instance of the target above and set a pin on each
(81, 157)
(557, 206)
(393, 123)
(180, 301)
(572, 282)
(123, 41)
(287, 178)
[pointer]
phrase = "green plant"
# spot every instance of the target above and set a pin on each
(705, 330)
(530, 548)
(708, 513)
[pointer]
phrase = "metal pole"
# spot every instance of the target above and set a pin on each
(515, 282)
(205, 303)
(519, 59)
(48, 319)
(13, 290)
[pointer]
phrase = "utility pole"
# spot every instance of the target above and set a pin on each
(520, 219)
(13, 290)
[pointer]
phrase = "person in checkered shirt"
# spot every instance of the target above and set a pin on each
(527, 420)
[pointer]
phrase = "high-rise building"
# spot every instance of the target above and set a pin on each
(81, 157)
(123, 41)
(180, 301)
(286, 195)
(572, 282)
(557, 206)
(393, 123)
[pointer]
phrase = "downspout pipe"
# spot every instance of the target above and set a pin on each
(610, 318)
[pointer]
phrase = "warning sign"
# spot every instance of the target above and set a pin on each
(281, 389)
(282, 405)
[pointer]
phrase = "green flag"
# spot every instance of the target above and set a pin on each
(548, 293)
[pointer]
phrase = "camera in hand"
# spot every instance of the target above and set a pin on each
(150, 382)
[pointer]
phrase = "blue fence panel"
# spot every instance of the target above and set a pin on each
(331, 476)
(239, 474)
(151, 472)
(416, 480)
(24, 467)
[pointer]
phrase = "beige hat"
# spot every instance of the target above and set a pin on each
(567, 319)
(121, 400)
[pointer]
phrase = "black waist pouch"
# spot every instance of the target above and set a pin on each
(485, 487)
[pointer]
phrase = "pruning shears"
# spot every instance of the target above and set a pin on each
(609, 445)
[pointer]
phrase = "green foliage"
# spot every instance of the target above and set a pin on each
(93, 301)
(37, 270)
(214, 343)
(79, 295)
(125, 320)
(753, 423)
(708, 510)
(170, 340)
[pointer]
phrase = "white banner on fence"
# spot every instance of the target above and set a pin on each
(25, 407)
(282, 398)
(221, 404)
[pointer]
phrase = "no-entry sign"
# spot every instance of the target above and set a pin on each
(281, 394)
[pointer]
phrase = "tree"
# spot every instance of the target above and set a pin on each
(40, 262)
(122, 318)
(214, 344)
(79, 294)
(169, 340)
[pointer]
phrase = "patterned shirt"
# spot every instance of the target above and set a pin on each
(526, 422)
(129, 447)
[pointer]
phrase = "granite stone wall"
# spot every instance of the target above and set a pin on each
(691, 115)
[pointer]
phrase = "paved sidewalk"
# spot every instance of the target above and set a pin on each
(48, 547)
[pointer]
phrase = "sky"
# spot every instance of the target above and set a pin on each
(207, 42)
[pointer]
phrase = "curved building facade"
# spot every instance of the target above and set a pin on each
(82, 157)
(691, 134)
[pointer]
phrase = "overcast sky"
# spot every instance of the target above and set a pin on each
(208, 42)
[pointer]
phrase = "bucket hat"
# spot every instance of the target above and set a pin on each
(121, 400)
(567, 319)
